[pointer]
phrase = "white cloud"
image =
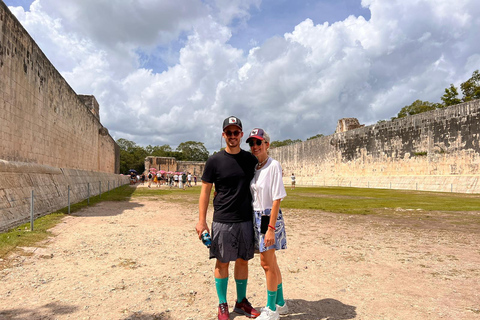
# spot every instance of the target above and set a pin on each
(294, 86)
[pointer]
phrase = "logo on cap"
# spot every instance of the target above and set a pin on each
(254, 132)
(232, 120)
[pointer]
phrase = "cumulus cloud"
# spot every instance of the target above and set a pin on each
(294, 86)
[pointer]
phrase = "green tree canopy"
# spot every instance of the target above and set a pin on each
(450, 97)
(131, 156)
(471, 87)
(416, 107)
(315, 136)
(276, 144)
(193, 151)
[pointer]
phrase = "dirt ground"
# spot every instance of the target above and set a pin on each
(142, 260)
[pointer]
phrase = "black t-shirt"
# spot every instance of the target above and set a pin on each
(231, 174)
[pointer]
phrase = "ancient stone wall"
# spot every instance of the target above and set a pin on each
(51, 139)
(437, 151)
(43, 120)
(171, 164)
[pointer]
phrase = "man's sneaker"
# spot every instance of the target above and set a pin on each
(245, 308)
(223, 313)
(282, 309)
(268, 314)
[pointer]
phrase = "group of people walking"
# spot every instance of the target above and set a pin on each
(247, 218)
(181, 180)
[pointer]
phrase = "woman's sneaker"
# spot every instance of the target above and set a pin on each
(282, 309)
(268, 314)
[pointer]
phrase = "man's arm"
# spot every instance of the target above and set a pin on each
(202, 208)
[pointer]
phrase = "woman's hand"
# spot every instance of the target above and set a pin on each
(269, 239)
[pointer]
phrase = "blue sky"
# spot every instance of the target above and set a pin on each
(166, 72)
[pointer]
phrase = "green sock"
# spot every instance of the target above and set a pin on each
(280, 300)
(221, 285)
(271, 300)
(241, 289)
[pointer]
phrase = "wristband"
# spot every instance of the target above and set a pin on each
(272, 227)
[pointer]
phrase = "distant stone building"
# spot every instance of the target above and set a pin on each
(347, 124)
(170, 164)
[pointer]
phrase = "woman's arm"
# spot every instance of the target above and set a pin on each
(270, 234)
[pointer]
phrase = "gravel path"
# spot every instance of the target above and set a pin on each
(142, 260)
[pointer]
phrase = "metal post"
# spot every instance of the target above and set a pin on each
(31, 213)
(390, 185)
(108, 185)
(69, 199)
(88, 193)
(451, 187)
(100, 188)
(416, 185)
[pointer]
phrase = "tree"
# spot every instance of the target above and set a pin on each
(471, 87)
(276, 144)
(416, 107)
(450, 96)
(125, 144)
(160, 151)
(315, 136)
(193, 151)
(131, 156)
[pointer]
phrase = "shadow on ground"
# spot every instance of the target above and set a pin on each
(330, 309)
(112, 208)
(149, 316)
(47, 312)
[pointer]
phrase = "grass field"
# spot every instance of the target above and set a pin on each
(331, 199)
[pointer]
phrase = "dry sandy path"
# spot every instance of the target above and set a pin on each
(142, 260)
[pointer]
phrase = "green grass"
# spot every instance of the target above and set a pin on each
(21, 236)
(189, 195)
(331, 199)
(370, 201)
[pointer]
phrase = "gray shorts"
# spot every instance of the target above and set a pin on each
(231, 241)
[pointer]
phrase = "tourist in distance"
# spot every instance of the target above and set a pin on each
(184, 180)
(293, 181)
(231, 170)
(189, 178)
(268, 191)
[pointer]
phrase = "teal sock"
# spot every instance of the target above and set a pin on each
(280, 299)
(221, 285)
(241, 289)
(271, 300)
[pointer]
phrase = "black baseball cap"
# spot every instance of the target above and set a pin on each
(232, 121)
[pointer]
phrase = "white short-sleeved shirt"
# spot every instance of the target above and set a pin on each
(267, 185)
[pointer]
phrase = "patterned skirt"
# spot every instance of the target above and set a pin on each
(280, 235)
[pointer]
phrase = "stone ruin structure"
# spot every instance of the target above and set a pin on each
(347, 124)
(51, 139)
(437, 150)
(171, 164)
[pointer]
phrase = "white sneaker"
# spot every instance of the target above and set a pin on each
(268, 314)
(282, 309)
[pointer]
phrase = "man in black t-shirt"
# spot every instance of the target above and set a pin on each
(231, 171)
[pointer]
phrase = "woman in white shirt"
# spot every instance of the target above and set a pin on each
(268, 191)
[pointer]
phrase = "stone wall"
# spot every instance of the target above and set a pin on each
(43, 120)
(171, 164)
(436, 151)
(50, 186)
(50, 137)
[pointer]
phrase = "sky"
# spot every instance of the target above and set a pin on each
(170, 71)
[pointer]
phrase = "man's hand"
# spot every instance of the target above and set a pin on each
(201, 226)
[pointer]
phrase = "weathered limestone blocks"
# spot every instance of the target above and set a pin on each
(437, 151)
(50, 186)
(42, 120)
